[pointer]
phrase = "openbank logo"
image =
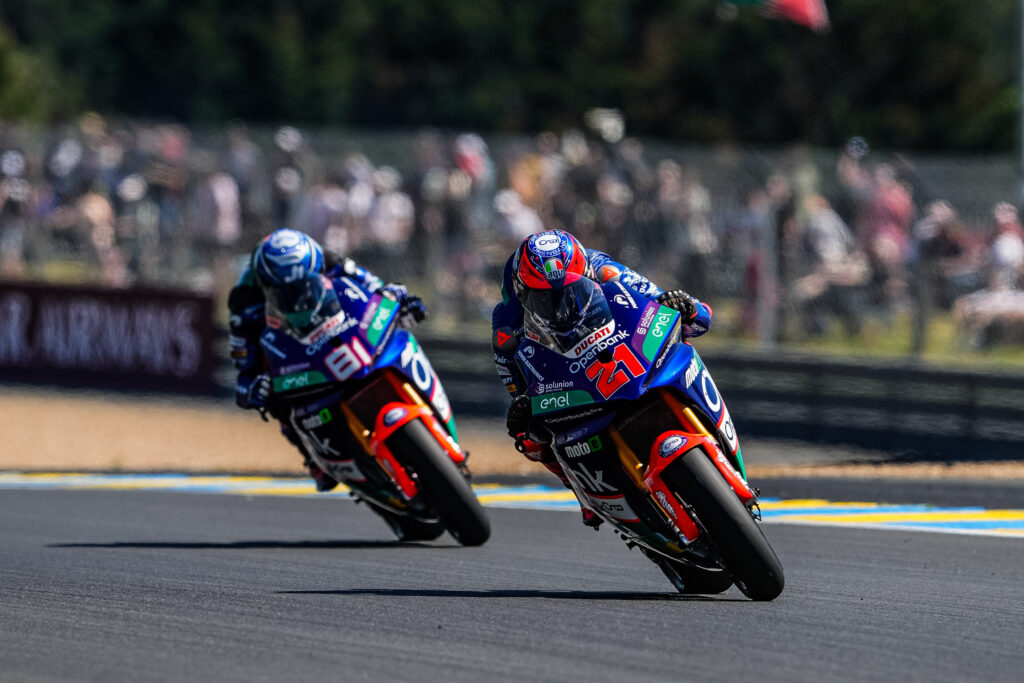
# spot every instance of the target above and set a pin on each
(560, 400)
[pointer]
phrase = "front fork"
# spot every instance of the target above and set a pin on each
(666, 449)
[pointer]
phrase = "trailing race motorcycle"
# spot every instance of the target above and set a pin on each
(646, 440)
(372, 413)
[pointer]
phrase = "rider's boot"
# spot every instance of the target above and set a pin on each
(324, 481)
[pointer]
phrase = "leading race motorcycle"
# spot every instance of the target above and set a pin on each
(372, 413)
(641, 430)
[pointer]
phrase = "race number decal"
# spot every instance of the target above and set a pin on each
(609, 377)
(347, 360)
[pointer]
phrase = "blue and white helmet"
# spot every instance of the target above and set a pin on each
(286, 256)
(289, 266)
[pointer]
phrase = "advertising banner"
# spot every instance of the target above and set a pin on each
(155, 340)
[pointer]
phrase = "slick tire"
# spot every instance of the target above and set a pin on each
(441, 483)
(748, 557)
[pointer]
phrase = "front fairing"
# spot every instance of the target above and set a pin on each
(639, 349)
(362, 339)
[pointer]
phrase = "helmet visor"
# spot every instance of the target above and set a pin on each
(304, 304)
(563, 316)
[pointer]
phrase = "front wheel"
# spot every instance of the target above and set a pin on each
(747, 555)
(441, 483)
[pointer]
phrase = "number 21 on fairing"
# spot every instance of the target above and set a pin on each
(608, 377)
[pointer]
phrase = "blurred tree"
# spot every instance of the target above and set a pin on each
(912, 74)
(31, 88)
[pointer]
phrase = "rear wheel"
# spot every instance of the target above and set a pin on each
(748, 557)
(441, 483)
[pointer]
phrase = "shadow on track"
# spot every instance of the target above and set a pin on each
(249, 545)
(517, 593)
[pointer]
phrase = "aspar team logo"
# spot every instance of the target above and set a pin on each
(545, 243)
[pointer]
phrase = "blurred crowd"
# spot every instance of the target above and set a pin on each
(801, 248)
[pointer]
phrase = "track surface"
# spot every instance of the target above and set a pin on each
(154, 586)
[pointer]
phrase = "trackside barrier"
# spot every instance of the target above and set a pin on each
(901, 408)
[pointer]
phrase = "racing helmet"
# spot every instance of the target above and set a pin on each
(289, 266)
(551, 272)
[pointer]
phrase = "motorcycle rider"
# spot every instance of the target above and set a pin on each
(542, 279)
(291, 282)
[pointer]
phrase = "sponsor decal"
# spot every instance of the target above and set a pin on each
(394, 415)
(593, 481)
(660, 326)
(692, 371)
(369, 314)
(551, 387)
(645, 320)
(663, 499)
(378, 325)
(625, 298)
(545, 243)
(728, 430)
(266, 341)
(553, 269)
(353, 291)
(503, 371)
(345, 470)
(591, 339)
(298, 380)
(591, 445)
(294, 367)
(501, 337)
(546, 403)
(317, 420)
(671, 445)
(235, 320)
(573, 416)
(273, 322)
(591, 355)
(330, 329)
(527, 352)
(710, 391)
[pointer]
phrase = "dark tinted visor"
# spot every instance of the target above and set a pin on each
(566, 314)
(305, 303)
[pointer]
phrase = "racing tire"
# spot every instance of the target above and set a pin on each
(441, 483)
(409, 528)
(748, 557)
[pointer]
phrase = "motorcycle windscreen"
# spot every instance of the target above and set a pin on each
(561, 317)
(304, 304)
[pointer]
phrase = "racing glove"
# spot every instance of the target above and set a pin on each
(681, 301)
(517, 420)
(257, 395)
(413, 310)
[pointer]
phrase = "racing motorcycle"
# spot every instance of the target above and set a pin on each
(371, 412)
(645, 438)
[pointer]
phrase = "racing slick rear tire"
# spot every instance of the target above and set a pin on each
(748, 557)
(441, 483)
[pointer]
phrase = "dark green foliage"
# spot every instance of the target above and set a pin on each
(913, 74)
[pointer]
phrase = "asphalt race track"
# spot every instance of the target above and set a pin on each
(165, 586)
